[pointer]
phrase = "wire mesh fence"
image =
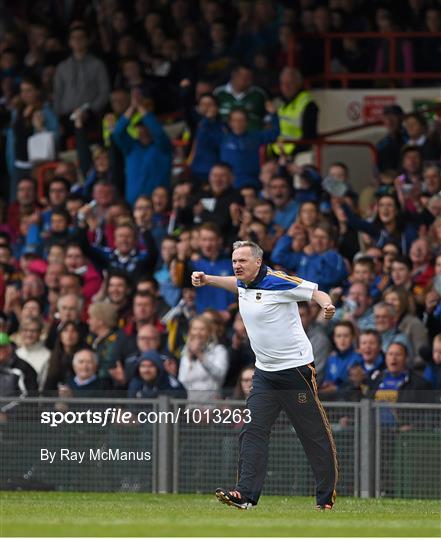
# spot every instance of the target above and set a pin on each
(195, 447)
(76, 455)
(408, 451)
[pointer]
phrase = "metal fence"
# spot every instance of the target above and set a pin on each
(384, 449)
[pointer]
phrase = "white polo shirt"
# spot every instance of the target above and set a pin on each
(269, 310)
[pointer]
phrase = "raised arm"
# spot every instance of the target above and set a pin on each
(324, 301)
(200, 279)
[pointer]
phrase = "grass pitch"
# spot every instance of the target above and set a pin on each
(139, 514)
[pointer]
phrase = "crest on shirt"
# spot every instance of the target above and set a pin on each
(301, 397)
(258, 296)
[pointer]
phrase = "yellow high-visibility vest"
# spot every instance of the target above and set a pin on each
(290, 119)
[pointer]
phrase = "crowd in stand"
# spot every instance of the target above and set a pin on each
(95, 263)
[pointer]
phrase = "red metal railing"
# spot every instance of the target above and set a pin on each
(391, 75)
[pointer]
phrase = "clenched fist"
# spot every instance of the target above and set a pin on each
(198, 279)
(328, 311)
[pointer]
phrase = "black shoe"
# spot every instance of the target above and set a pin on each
(233, 498)
(323, 507)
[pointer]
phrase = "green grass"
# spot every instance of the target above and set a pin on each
(136, 514)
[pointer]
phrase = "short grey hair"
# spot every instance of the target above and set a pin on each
(92, 354)
(384, 305)
(256, 250)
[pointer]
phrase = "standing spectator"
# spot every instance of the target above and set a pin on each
(389, 147)
(239, 92)
(81, 80)
(240, 147)
(204, 362)
(32, 350)
(147, 158)
(298, 113)
(32, 115)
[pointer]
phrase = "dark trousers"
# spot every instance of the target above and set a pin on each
(294, 391)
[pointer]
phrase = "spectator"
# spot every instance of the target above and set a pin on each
(70, 308)
(338, 364)
(357, 307)
(151, 380)
(214, 204)
(386, 325)
(369, 347)
(147, 158)
(389, 147)
(167, 287)
(68, 342)
(417, 130)
(239, 92)
(397, 383)
(26, 204)
(32, 115)
(240, 147)
(86, 382)
(177, 319)
(104, 339)
(321, 344)
(145, 311)
(432, 371)
(17, 377)
(317, 262)
(401, 272)
(422, 269)
(204, 363)
(408, 324)
(32, 349)
(244, 383)
(90, 89)
(212, 261)
(77, 263)
(240, 354)
(281, 195)
(298, 113)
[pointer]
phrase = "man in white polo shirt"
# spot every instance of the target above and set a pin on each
(284, 378)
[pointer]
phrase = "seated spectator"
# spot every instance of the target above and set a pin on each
(240, 354)
(239, 92)
(169, 291)
(119, 293)
(338, 363)
(69, 340)
(321, 344)
(244, 383)
(369, 347)
(57, 233)
(265, 212)
(281, 195)
(204, 363)
(25, 204)
(408, 324)
(363, 271)
(151, 380)
(357, 307)
(70, 308)
(148, 157)
(212, 261)
(17, 377)
(385, 316)
(214, 205)
(387, 226)
(125, 256)
(104, 339)
(32, 349)
(85, 382)
(317, 262)
(77, 263)
(144, 311)
(432, 371)
(401, 272)
(422, 269)
(240, 147)
(398, 383)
